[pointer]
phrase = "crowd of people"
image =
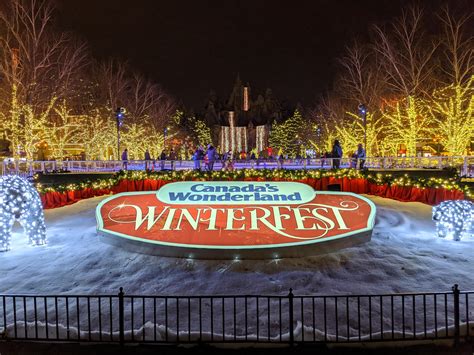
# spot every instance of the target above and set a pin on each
(204, 158)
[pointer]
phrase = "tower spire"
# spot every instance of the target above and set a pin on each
(237, 79)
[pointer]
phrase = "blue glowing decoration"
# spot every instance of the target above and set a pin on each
(20, 201)
(454, 219)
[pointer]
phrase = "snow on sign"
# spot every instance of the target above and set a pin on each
(235, 220)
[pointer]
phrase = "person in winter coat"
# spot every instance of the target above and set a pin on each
(147, 160)
(197, 157)
(162, 160)
(361, 156)
(336, 154)
(173, 157)
(125, 159)
(211, 156)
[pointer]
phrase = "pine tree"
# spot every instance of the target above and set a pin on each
(289, 135)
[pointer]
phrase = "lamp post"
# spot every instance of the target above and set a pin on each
(318, 134)
(119, 116)
(165, 134)
(363, 112)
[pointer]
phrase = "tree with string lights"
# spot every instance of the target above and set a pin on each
(452, 105)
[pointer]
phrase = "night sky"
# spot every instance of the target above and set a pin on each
(191, 47)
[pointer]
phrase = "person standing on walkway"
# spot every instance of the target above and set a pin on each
(336, 154)
(162, 160)
(361, 156)
(147, 160)
(173, 156)
(211, 156)
(125, 159)
(197, 156)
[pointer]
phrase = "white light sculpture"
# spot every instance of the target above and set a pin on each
(20, 201)
(454, 219)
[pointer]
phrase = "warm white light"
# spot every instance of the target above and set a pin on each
(454, 219)
(20, 201)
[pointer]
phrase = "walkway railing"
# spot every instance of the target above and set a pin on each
(238, 319)
(464, 164)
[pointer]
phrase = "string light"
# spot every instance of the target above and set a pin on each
(265, 174)
(454, 219)
(20, 201)
(452, 108)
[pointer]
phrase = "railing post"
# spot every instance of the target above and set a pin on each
(290, 316)
(121, 318)
(456, 293)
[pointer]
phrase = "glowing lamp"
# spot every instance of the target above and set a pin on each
(20, 201)
(454, 219)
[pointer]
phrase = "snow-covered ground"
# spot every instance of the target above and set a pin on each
(404, 255)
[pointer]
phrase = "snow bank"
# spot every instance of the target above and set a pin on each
(403, 256)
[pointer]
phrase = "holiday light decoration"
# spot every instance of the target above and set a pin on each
(289, 135)
(262, 174)
(62, 129)
(452, 109)
(97, 135)
(133, 138)
(201, 131)
(407, 121)
(20, 201)
(454, 219)
(351, 133)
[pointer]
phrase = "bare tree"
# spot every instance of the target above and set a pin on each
(406, 55)
(329, 114)
(147, 99)
(148, 106)
(37, 65)
(362, 77)
(361, 82)
(112, 83)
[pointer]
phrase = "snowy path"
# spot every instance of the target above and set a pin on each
(403, 256)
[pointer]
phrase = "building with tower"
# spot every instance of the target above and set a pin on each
(243, 121)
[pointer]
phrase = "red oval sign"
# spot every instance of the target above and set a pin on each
(235, 220)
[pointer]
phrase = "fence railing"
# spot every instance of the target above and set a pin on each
(238, 319)
(464, 164)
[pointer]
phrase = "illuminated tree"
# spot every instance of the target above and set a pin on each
(452, 109)
(33, 129)
(408, 122)
(278, 139)
(361, 83)
(148, 107)
(37, 66)
(406, 56)
(153, 141)
(98, 135)
(351, 133)
(201, 131)
(328, 115)
(62, 130)
(452, 106)
(290, 135)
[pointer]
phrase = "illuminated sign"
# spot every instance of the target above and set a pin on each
(240, 219)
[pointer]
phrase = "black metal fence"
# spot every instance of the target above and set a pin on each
(209, 319)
